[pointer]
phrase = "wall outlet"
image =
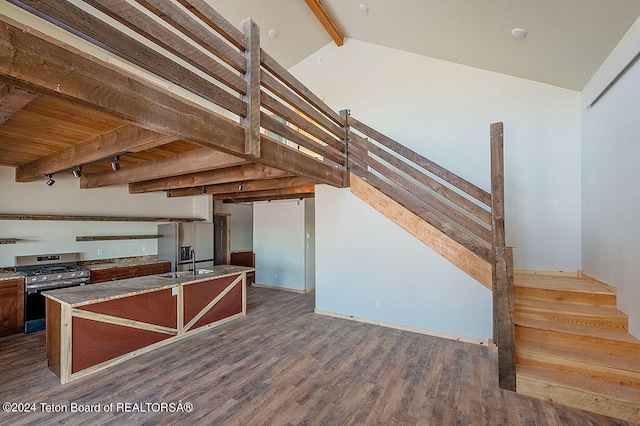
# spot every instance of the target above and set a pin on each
(174, 291)
(99, 252)
(377, 304)
(144, 249)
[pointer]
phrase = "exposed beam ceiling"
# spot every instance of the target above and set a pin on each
(568, 40)
(12, 100)
(326, 21)
(118, 141)
(232, 174)
(221, 190)
(194, 161)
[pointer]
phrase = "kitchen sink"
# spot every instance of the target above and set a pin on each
(185, 273)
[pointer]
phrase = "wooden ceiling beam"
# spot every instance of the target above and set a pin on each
(60, 70)
(212, 177)
(326, 21)
(270, 198)
(193, 161)
(12, 100)
(243, 186)
(119, 141)
(293, 192)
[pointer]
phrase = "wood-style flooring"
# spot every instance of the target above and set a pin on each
(285, 365)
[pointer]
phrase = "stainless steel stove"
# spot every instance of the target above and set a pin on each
(47, 272)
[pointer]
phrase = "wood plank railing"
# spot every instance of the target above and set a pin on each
(425, 188)
(433, 193)
(189, 44)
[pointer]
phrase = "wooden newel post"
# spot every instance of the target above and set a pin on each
(344, 114)
(502, 269)
(251, 122)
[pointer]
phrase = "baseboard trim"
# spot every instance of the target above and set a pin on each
(433, 333)
(290, 290)
(606, 285)
(536, 272)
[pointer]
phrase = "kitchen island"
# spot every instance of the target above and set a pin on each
(90, 328)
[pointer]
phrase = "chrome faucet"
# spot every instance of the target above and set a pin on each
(193, 261)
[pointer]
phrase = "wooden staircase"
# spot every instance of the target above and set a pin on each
(573, 347)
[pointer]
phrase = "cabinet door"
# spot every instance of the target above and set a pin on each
(11, 306)
(153, 269)
(112, 274)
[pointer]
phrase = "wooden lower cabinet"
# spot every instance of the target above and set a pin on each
(90, 337)
(11, 306)
(131, 271)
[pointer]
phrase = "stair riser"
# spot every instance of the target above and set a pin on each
(579, 368)
(613, 323)
(595, 299)
(626, 410)
(586, 343)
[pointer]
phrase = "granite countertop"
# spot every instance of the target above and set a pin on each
(100, 292)
(109, 265)
(9, 275)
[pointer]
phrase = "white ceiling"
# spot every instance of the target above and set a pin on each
(567, 41)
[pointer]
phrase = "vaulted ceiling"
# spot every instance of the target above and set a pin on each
(44, 132)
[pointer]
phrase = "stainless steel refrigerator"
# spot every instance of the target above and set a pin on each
(181, 242)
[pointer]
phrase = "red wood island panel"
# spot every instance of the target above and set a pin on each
(157, 307)
(210, 301)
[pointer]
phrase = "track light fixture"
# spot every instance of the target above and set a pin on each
(78, 172)
(50, 180)
(115, 164)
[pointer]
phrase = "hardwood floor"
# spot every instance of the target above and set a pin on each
(284, 365)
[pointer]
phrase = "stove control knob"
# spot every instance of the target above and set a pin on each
(73, 274)
(44, 278)
(59, 276)
(34, 279)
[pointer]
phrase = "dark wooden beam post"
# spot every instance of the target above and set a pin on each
(344, 115)
(502, 269)
(251, 122)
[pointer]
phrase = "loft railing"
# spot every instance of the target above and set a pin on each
(187, 43)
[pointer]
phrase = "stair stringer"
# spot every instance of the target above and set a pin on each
(467, 261)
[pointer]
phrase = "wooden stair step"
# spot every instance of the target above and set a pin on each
(571, 313)
(571, 296)
(580, 392)
(562, 288)
(610, 368)
(603, 341)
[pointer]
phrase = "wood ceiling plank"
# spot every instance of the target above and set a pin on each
(194, 161)
(326, 21)
(12, 100)
(42, 64)
(119, 141)
(212, 177)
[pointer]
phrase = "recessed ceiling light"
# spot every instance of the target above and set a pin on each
(519, 33)
(273, 33)
(363, 8)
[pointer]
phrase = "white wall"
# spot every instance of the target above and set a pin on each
(241, 224)
(364, 259)
(443, 110)
(610, 178)
(279, 242)
(65, 198)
